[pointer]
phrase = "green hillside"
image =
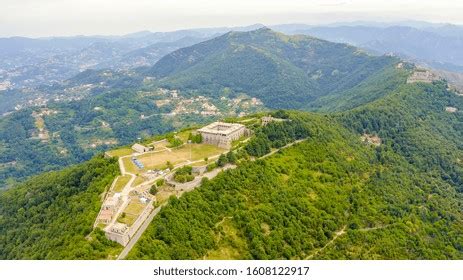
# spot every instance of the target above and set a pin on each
(378, 174)
(283, 71)
(51, 216)
(334, 197)
(331, 197)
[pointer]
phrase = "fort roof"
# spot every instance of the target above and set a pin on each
(119, 228)
(221, 128)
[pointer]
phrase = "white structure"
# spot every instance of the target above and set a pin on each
(268, 119)
(139, 148)
(222, 134)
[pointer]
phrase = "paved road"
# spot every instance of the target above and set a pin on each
(188, 186)
(138, 234)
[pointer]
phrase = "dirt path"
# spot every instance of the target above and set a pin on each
(284, 147)
(336, 235)
(342, 232)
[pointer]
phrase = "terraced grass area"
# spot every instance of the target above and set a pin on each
(120, 152)
(121, 182)
(131, 212)
(138, 181)
(184, 135)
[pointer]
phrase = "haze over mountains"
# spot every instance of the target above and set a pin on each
(28, 65)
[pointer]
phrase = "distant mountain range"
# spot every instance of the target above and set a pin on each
(34, 71)
(436, 46)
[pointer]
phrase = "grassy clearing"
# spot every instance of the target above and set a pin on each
(230, 245)
(160, 145)
(128, 219)
(121, 182)
(157, 160)
(120, 152)
(131, 212)
(184, 135)
(135, 207)
(39, 123)
(138, 181)
(200, 163)
(164, 193)
(129, 166)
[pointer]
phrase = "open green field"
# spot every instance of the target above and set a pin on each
(132, 211)
(120, 152)
(200, 163)
(184, 135)
(121, 182)
(157, 160)
(129, 219)
(138, 181)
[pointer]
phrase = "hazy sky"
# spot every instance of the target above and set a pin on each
(71, 17)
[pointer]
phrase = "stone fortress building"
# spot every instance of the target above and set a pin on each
(222, 134)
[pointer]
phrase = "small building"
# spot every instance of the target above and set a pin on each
(222, 134)
(268, 119)
(423, 76)
(139, 148)
(451, 109)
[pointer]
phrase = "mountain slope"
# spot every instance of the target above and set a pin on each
(52, 215)
(330, 197)
(283, 71)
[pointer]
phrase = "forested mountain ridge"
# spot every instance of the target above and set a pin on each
(283, 71)
(423, 123)
(334, 196)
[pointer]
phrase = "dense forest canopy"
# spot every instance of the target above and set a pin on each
(51, 216)
(371, 201)
(283, 71)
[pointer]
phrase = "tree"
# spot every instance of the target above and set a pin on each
(169, 165)
(160, 182)
(153, 189)
(231, 157)
(222, 160)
